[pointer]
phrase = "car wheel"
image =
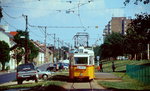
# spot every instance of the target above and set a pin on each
(19, 81)
(45, 77)
(36, 80)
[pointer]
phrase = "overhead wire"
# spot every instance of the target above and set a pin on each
(57, 10)
(82, 26)
(61, 26)
(41, 30)
(11, 16)
(33, 33)
(9, 24)
(80, 16)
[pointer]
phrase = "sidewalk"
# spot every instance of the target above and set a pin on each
(105, 76)
(83, 86)
(5, 72)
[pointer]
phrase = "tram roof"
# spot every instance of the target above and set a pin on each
(83, 51)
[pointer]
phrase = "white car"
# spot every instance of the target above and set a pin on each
(44, 74)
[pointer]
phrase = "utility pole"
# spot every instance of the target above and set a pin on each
(26, 39)
(54, 37)
(58, 48)
(81, 39)
(54, 49)
(45, 47)
(148, 51)
(45, 43)
(54, 40)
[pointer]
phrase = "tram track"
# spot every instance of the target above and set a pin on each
(77, 86)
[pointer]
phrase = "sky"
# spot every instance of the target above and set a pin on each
(83, 13)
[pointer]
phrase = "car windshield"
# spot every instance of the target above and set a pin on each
(26, 67)
(81, 60)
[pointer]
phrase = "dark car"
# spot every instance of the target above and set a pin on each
(26, 72)
(52, 67)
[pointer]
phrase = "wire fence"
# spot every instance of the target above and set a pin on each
(139, 72)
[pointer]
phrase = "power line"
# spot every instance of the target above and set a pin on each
(35, 33)
(10, 24)
(11, 16)
(63, 26)
(41, 29)
(80, 17)
(57, 10)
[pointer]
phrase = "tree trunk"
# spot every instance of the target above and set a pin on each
(3, 66)
(132, 56)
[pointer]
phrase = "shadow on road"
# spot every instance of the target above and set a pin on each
(66, 79)
(47, 88)
(59, 78)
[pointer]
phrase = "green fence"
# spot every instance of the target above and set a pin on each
(139, 72)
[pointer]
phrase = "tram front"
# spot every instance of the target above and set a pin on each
(82, 65)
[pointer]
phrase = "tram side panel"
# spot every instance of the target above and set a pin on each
(90, 70)
(86, 71)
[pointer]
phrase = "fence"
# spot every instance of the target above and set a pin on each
(139, 72)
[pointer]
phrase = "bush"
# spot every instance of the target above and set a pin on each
(8, 68)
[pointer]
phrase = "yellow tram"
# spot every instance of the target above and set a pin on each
(82, 64)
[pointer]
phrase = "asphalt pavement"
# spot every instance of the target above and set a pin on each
(7, 77)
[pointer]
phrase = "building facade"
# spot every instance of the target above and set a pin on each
(9, 40)
(117, 24)
(44, 56)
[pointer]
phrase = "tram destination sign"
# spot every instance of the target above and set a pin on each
(81, 67)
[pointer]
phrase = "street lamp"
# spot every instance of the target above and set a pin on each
(148, 51)
(148, 46)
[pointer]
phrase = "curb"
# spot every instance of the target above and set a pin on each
(107, 78)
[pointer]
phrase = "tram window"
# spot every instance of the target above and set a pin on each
(81, 60)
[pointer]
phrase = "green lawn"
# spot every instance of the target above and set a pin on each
(121, 64)
(127, 83)
(43, 83)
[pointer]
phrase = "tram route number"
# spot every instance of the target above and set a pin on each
(81, 67)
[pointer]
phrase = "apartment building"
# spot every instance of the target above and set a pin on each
(117, 24)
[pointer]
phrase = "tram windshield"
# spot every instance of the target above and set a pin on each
(81, 60)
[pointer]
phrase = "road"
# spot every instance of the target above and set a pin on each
(84, 86)
(6, 77)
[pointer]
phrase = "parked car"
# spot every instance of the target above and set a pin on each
(64, 65)
(52, 67)
(44, 74)
(26, 72)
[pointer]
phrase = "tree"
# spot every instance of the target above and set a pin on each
(34, 51)
(97, 52)
(19, 52)
(21, 43)
(1, 14)
(4, 53)
(138, 34)
(113, 46)
(140, 25)
(132, 43)
(136, 1)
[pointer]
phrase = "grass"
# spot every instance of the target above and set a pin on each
(44, 83)
(121, 64)
(127, 83)
(65, 73)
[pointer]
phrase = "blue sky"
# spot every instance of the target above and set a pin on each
(53, 13)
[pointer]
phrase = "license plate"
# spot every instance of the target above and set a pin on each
(81, 67)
